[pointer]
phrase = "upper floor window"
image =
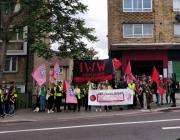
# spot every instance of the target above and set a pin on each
(138, 30)
(177, 30)
(137, 5)
(11, 64)
(16, 34)
(176, 5)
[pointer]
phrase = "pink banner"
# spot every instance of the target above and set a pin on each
(57, 71)
(40, 75)
(70, 96)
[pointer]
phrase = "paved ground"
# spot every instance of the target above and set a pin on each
(26, 115)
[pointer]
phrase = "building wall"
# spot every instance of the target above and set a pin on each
(162, 16)
(19, 76)
(65, 64)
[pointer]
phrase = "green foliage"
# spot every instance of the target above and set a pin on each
(59, 21)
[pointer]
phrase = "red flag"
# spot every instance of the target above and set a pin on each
(160, 91)
(65, 86)
(155, 76)
(116, 63)
(128, 72)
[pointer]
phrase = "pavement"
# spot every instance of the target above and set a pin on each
(27, 115)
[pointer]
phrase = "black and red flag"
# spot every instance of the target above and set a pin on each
(92, 70)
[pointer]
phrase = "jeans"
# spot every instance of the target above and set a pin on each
(11, 109)
(42, 103)
(157, 98)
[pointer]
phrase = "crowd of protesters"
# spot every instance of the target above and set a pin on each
(8, 97)
(53, 97)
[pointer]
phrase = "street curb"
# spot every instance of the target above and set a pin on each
(167, 109)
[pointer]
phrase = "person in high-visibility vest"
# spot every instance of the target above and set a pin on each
(2, 113)
(58, 95)
(78, 96)
(12, 99)
(107, 86)
(132, 86)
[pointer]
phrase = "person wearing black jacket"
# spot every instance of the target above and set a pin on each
(173, 91)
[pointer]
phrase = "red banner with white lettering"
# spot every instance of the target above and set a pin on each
(92, 70)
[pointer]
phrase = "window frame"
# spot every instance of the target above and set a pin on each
(176, 10)
(11, 65)
(134, 10)
(136, 35)
(18, 34)
(175, 24)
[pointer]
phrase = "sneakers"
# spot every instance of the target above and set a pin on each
(36, 109)
(50, 111)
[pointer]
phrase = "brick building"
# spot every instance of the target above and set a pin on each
(147, 32)
(16, 59)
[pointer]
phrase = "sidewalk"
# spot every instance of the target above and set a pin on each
(27, 115)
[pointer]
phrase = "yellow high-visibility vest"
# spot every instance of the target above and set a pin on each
(132, 86)
(1, 95)
(78, 92)
(59, 94)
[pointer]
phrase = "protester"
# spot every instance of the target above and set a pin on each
(78, 94)
(12, 95)
(132, 86)
(154, 91)
(99, 87)
(42, 98)
(50, 98)
(2, 113)
(173, 91)
(59, 95)
(37, 96)
(168, 92)
(147, 92)
(139, 92)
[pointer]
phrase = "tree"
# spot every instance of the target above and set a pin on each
(50, 20)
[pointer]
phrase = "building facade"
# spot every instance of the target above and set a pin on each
(146, 32)
(16, 59)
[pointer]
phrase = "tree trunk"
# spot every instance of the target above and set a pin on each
(2, 59)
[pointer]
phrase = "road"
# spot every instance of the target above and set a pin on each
(143, 126)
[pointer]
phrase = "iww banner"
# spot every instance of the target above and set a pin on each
(110, 97)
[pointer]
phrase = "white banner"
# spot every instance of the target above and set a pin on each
(110, 97)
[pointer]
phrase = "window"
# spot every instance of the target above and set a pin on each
(11, 64)
(176, 5)
(177, 30)
(137, 30)
(16, 34)
(137, 5)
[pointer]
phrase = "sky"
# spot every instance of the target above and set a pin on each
(96, 17)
